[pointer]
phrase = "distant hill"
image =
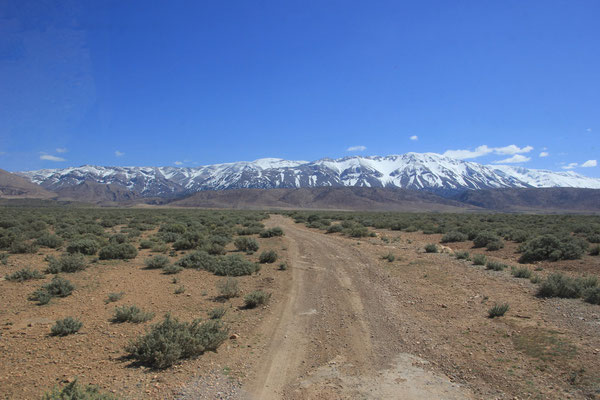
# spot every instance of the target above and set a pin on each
(531, 200)
(340, 198)
(16, 187)
(92, 192)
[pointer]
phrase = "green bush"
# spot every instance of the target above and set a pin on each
(169, 341)
(358, 232)
(234, 265)
(119, 238)
(335, 228)
(389, 257)
(113, 297)
(521, 272)
(559, 285)
(283, 266)
(131, 314)
(595, 251)
(553, 248)
(228, 288)
(256, 298)
(57, 287)
(3, 258)
(592, 295)
(198, 260)
(483, 238)
(158, 261)
(24, 274)
(454, 236)
(217, 312)
(67, 263)
(146, 244)
(495, 265)
(246, 244)
(22, 247)
(74, 391)
(462, 255)
(267, 257)
(123, 251)
(180, 290)
(431, 248)
(172, 269)
(67, 326)
(498, 310)
(84, 246)
(49, 240)
(495, 245)
(276, 231)
(479, 259)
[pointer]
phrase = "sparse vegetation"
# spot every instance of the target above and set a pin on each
(256, 298)
(389, 257)
(498, 310)
(431, 248)
(67, 263)
(560, 285)
(217, 312)
(84, 246)
(553, 248)
(495, 265)
(157, 262)
(170, 341)
(75, 391)
(114, 297)
(24, 274)
(67, 326)
(58, 287)
(123, 251)
(228, 288)
(267, 257)
(273, 232)
(131, 314)
(462, 255)
(479, 259)
(521, 272)
(249, 245)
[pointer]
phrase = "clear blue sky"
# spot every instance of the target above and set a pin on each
(201, 82)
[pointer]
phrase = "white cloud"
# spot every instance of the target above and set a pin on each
(465, 154)
(517, 158)
(61, 150)
(356, 148)
(118, 153)
(512, 149)
(570, 165)
(544, 154)
(178, 163)
(414, 137)
(590, 163)
(485, 150)
(48, 157)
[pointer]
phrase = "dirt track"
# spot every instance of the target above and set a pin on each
(337, 334)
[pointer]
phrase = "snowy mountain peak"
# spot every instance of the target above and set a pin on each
(428, 171)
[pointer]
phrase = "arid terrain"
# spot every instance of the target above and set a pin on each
(342, 323)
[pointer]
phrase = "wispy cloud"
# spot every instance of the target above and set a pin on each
(178, 163)
(588, 130)
(570, 165)
(356, 148)
(485, 150)
(414, 137)
(517, 158)
(590, 163)
(544, 154)
(61, 150)
(49, 157)
(119, 154)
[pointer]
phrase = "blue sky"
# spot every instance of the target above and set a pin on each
(203, 82)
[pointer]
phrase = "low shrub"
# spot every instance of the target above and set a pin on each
(170, 340)
(559, 285)
(228, 288)
(389, 257)
(22, 247)
(57, 287)
(180, 290)
(118, 238)
(24, 274)
(158, 261)
(75, 391)
(84, 246)
(495, 245)
(483, 238)
(267, 257)
(521, 272)
(131, 314)
(592, 295)
(479, 259)
(553, 248)
(172, 269)
(498, 310)
(283, 266)
(256, 298)
(595, 251)
(67, 263)
(268, 233)
(49, 240)
(249, 245)
(113, 297)
(123, 251)
(3, 258)
(146, 244)
(198, 260)
(462, 255)
(234, 265)
(217, 312)
(358, 232)
(431, 248)
(495, 265)
(454, 236)
(335, 228)
(67, 326)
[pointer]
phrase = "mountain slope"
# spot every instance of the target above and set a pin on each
(14, 186)
(428, 171)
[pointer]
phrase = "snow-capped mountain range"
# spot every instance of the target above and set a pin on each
(428, 171)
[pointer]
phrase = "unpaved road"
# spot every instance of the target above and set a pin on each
(338, 335)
